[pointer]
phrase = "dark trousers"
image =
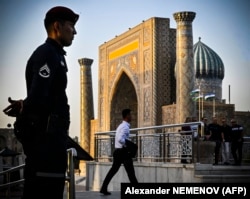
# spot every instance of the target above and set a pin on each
(237, 146)
(121, 156)
(217, 151)
(45, 166)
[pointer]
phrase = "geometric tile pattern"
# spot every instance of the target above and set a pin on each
(87, 107)
(184, 65)
(145, 56)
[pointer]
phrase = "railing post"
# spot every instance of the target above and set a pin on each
(198, 150)
(192, 146)
(8, 181)
(161, 148)
(112, 143)
(164, 147)
(140, 149)
(168, 147)
(136, 141)
(71, 183)
(96, 148)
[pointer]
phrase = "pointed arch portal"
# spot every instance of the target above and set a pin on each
(124, 97)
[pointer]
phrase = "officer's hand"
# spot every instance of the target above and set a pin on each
(15, 107)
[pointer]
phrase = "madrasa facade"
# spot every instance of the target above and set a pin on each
(153, 69)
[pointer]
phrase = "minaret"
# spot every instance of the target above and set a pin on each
(184, 65)
(87, 107)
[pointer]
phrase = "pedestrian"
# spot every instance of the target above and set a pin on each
(206, 130)
(226, 140)
(43, 117)
(121, 154)
(215, 136)
(237, 142)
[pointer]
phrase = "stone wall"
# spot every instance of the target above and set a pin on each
(145, 172)
(221, 110)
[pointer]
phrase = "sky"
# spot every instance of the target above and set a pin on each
(223, 25)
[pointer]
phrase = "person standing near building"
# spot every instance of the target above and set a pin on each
(206, 130)
(237, 141)
(121, 154)
(216, 136)
(43, 116)
(226, 139)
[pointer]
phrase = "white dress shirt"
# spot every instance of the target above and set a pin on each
(122, 133)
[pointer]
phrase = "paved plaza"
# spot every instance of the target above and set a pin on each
(79, 195)
(96, 195)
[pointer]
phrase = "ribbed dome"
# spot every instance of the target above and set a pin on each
(207, 63)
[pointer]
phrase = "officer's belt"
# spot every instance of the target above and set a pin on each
(50, 175)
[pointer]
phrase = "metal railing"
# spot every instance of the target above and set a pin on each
(70, 176)
(165, 143)
(8, 183)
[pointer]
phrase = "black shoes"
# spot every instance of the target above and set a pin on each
(105, 192)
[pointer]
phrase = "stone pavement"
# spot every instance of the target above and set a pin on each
(96, 195)
(81, 193)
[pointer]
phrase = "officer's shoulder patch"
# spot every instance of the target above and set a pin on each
(44, 71)
(62, 63)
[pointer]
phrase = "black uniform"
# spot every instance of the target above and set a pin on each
(216, 130)
(237, 143)
(45, 122)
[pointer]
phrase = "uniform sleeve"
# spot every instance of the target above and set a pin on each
(39, 76)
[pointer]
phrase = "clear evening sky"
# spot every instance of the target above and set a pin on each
(223, 25)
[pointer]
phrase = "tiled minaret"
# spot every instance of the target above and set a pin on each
(184, 65)
(87, 107)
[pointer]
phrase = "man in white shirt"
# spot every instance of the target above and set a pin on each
(121, 155)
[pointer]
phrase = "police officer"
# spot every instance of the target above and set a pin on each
(216, 136)
(43, 116)
(237, 141)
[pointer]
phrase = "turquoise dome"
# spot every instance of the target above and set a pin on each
(207, 63)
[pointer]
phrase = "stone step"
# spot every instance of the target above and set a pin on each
(223, 178)
(208, 169)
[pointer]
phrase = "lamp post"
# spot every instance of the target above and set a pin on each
(214, 105)
(202, 105)
(199, 104)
